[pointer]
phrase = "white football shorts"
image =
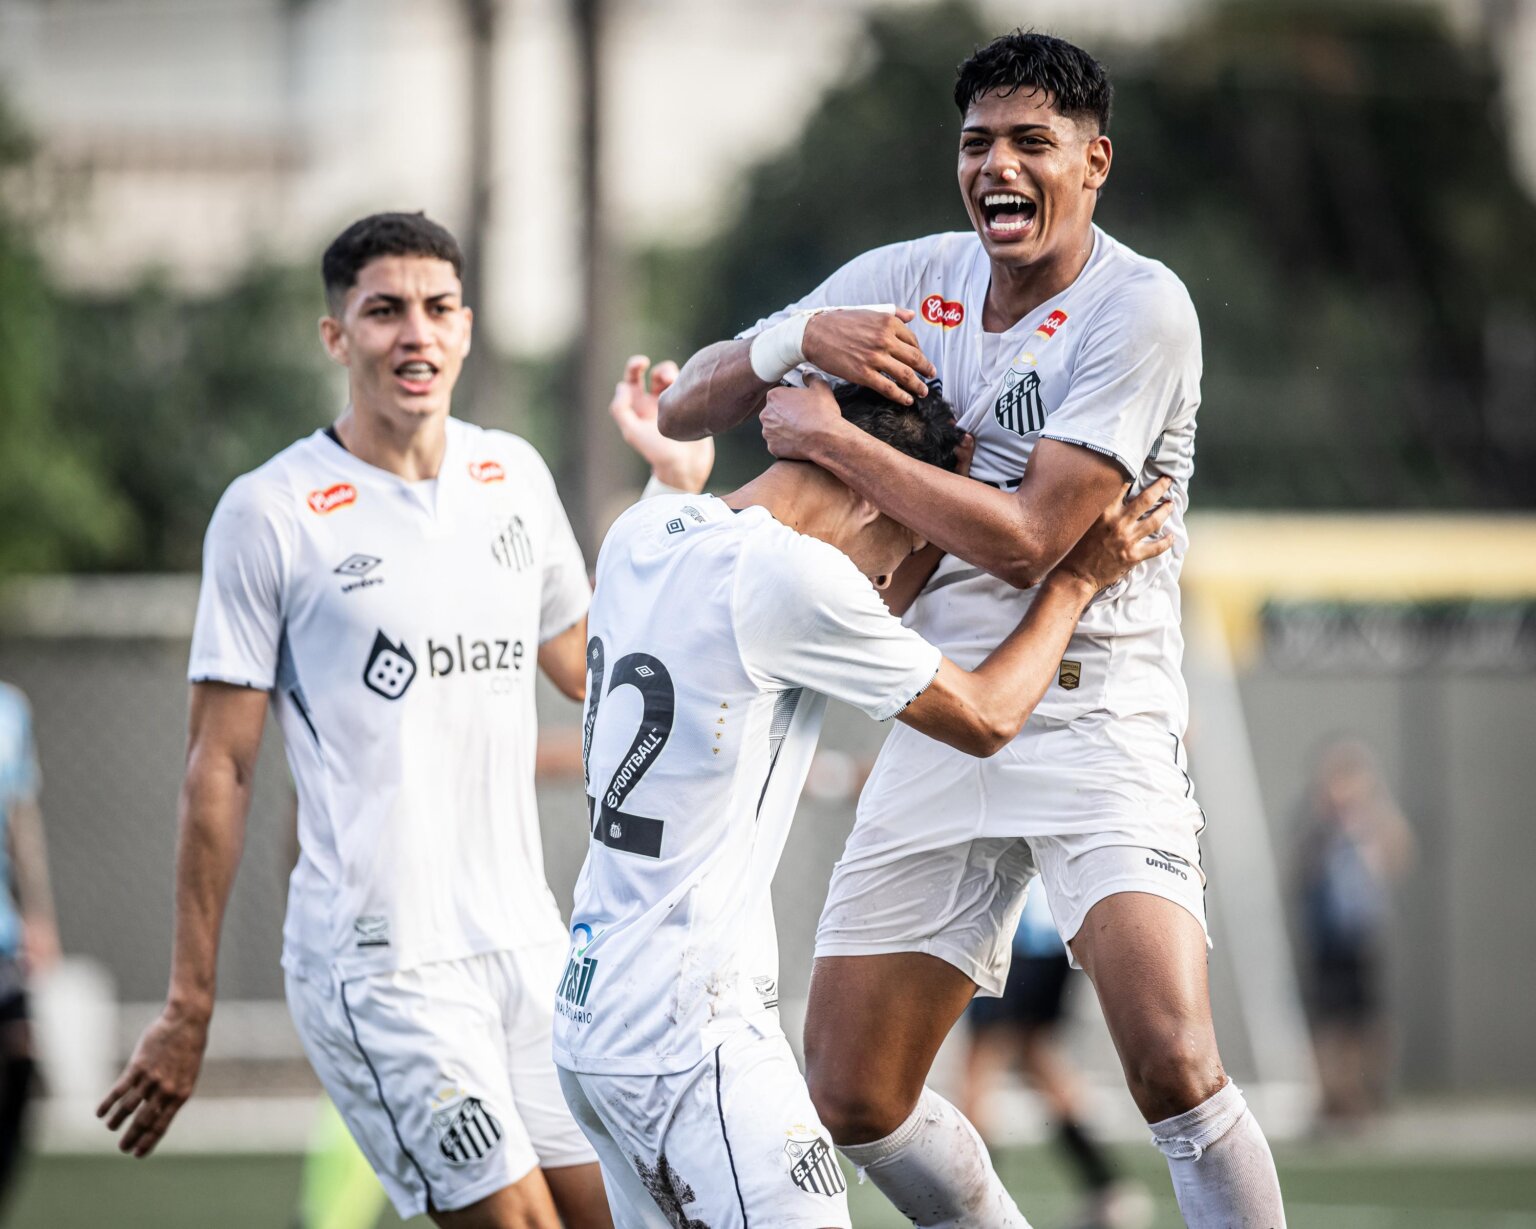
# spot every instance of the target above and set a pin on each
(945, 844)
(731, 1142)
(443, 1072)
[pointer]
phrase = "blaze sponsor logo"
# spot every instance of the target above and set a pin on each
(1052, 322)
(390, 668)
(477, 657)
(487, 471)
(812, 1167)
(939, 310)
(333, 497)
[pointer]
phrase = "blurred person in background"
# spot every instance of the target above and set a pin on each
(29, 932)
(387, 585)
(1355, 845)
(1025, 1026)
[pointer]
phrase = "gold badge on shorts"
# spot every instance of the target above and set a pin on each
(1071, 675)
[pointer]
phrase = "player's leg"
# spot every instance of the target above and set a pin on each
(575, 1182)
(1146, 956)
(18, 1074)
(903, 944)
(415, 1062)
(629, 1203)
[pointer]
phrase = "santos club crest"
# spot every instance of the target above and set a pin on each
(466, 1130)
(1020, 408)
(812, 1166)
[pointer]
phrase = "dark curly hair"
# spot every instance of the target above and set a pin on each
(383, 234)
(926, 429)
(1024, 60)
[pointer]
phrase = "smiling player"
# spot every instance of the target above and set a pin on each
(1075, 363)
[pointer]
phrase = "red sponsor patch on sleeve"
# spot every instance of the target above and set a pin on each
(487, 471)
(1052, 322)
(333, 497)
(939, 310)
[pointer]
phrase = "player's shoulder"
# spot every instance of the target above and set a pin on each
(14, 705)
(275, 489)
(795, 568)
(484, 447)
(927, 252)
(1141, 289)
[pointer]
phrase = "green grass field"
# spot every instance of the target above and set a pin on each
(1325, 1189)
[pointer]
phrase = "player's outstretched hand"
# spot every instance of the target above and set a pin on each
(1127, 532)
(685, 464)
(872, 348)
(796, 420)
(156, 1082)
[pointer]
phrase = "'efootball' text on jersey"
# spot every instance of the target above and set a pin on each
(398, 625)
(1112, 363)
(714, 638)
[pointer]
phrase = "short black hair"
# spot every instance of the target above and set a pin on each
(383, 234)
(926, 429)
(1024, 60)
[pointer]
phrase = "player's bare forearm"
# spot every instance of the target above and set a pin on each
(715, 391)
(981, 711)
(988, 528)
(910, 578)
(563, 658)
(29, 862)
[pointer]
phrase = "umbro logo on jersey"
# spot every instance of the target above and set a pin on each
(939, 310)
(1020, 408)
(1170, 862)
(372, 930)
(675, 525)
(390, 668)
(487, 471)
(466, 1131)
(333, 497)
(767, 990)
(357, 569)
(813, 1168)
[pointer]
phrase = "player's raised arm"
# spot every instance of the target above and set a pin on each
(980, 711)
(224, 738)
(728, 382)
(1017, 537)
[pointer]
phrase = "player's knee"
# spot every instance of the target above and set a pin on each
(857, 1115)
(1171, 1077)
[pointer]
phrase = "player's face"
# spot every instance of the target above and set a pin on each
(402, 335)
(1030, 177)
(881, 547)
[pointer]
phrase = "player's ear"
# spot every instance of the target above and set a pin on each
(469, 330)
(1099, 155)
(865, 513)
(334, 338)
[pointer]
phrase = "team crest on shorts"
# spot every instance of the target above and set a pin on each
(466, 1130)
(812, 1167)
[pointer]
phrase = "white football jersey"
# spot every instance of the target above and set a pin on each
(714, 638)
(1112, 363)
(398, 626)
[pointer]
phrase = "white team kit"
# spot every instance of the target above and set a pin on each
(1093, 792)
(397, 626)
(715, 637)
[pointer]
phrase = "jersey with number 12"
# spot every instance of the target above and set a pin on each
(714, 638)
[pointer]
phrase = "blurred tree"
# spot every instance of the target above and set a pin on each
(182, 393)
(1332, 183)
(57, 507)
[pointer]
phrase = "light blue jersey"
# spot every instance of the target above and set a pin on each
(19, 780)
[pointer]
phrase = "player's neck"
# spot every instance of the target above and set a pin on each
(412, 449)
(1016, 290)
(795, 493)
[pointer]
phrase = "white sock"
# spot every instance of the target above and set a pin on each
(936, 1170)
(1223, 1173)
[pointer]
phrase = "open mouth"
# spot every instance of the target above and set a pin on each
(1007, 213)
(417, 375)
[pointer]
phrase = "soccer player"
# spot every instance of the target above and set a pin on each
(718, 627)
(1075, 363)
(388, 586)
(29, 933)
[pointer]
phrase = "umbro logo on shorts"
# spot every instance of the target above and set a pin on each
(466, 1131)
(1170, 862)
(813, 1168)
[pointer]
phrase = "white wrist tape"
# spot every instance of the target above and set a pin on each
(777, 351)
(655, 486)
